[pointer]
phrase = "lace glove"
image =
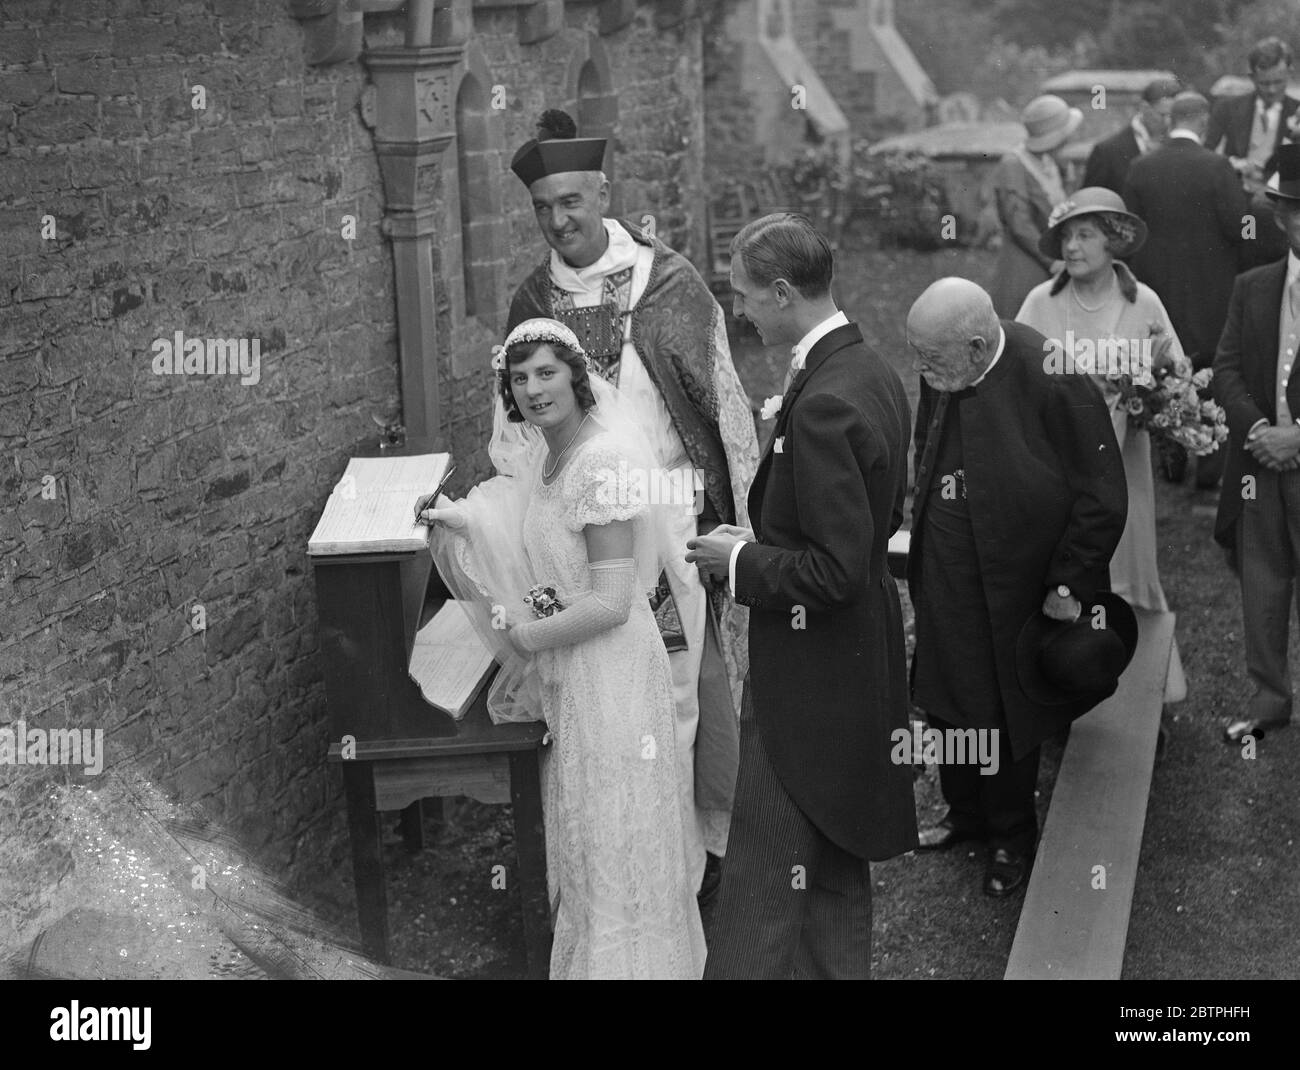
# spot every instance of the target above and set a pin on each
(607, 605)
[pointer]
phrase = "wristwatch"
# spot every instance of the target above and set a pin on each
(1062, 591)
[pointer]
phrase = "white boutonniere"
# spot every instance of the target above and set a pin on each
(779, 445)
(771, 407)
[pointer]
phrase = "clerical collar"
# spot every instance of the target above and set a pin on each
(1183, 132)
(805, 344)
(1002, 341)
(619, 254)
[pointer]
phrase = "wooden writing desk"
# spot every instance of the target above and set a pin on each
(370, 606)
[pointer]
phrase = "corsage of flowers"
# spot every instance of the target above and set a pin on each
(542, 601)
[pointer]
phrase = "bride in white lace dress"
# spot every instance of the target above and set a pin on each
(615, 810)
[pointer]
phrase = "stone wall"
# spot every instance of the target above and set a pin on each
(175, 166)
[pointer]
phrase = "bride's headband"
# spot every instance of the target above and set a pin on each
(539, 329)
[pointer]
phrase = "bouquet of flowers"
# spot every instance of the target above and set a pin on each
(1168, 401)
(542, 601)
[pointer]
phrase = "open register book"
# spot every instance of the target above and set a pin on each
(372, 507)
(449, 660)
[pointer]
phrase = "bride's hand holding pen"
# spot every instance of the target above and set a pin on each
(445, 511)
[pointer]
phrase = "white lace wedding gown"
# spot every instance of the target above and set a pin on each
(615, 836)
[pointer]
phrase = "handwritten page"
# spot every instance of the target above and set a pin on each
(372, 507)
(449, 660)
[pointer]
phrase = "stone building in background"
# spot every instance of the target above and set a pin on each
(328, 179)
(867, 65)
(783, 77)
(786, 80)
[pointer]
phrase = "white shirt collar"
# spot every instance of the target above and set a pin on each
(1002, 341)
(1142, 134)
(1261, 107)
(804, 346)
(1292, 270)
(1182, 131)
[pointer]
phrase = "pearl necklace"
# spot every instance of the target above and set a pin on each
(1089, 308)
(560, 457)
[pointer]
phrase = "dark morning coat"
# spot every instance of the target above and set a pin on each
(1109, 161)
(1192, 203)
(1047, 497)
(828, 695)
(1245, 381)
(1231, 120)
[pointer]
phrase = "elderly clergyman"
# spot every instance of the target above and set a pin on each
(1020, 501)
(652, 327)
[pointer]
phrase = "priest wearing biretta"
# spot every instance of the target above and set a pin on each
(649, 323)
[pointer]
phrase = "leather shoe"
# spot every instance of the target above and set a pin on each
(1237, 730)
(943, 835)
(1006, 872)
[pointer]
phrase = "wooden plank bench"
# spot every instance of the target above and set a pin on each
(1069, 929)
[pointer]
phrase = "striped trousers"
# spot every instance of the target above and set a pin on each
(1268, 556)
(791, 903)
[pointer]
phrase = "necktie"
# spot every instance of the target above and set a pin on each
(796, 365)
(1265, 123)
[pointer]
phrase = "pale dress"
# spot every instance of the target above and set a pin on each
(622, 904)
(1134, 574)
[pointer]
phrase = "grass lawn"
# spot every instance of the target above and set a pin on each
(1218, 889)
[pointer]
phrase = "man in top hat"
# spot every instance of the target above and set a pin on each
(1259, 506)
(1109, 161)
(1195, 212)
(1020, 501)
(1026, 186)
(652, 327)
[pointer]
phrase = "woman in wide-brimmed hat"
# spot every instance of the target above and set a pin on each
(1107, 323)
(1026, 183)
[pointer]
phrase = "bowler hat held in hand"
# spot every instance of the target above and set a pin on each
(1062, 662)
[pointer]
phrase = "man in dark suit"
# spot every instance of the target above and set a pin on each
(1020, 501)
(817, 795)
(1194, 209)
(1109, 161)
(1249, 129)
(1259, 507)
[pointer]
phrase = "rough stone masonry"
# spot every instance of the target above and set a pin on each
(175, 166)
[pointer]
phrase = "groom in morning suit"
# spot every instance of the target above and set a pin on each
(817, 795)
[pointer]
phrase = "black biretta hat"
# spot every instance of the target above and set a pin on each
(557, 151)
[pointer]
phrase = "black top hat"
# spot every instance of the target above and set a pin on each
(1285, 183)
(557, 151)
(1063, 662)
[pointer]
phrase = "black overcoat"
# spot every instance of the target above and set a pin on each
(1194, 208)
(1109, 161)
(827, 661)
(1047, 497)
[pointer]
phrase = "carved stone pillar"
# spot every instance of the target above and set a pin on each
(414, 124)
